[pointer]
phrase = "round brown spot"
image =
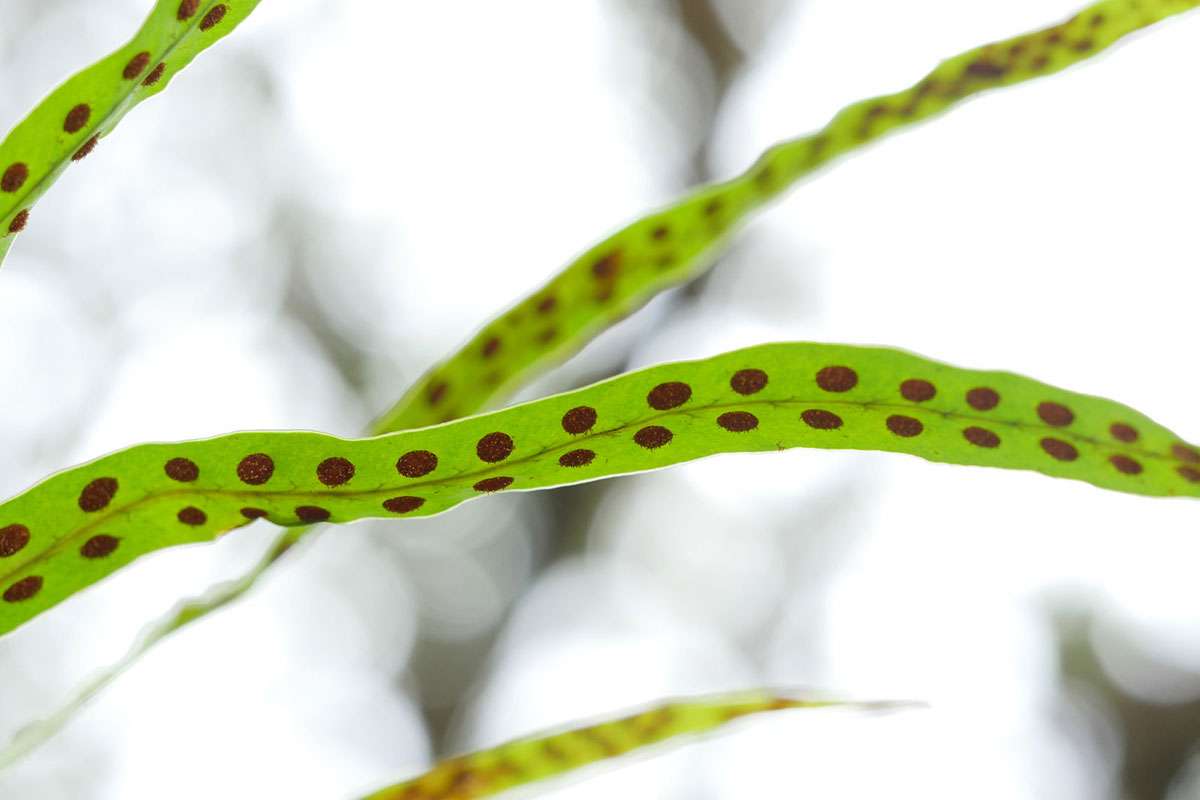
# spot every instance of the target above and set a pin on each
(403, 505)
(1185, 453)
(14, 177)
(335, 471)
(1126, 465)
(579, 419)
(837, 379)
(12, 539)
(904, 426)
(653, 436)
(190, 515)
(249, 512)
(256, 469)
(87, 148)
(547, 304)
(19, 222)
(821, 419)
(1189, 473)
(748, 381)
(97, 494)
(738, 421)
(77, 117)
(660, 232)
(1060, 450)
(494, 447)
(23, 589)
(547, 336)
(416, 463)
(1055, 414)
(491, 347)
(669, 395)
(576, 458)
(99, 546)
(135, 66)
(155, 75)
(713, 207)
(605, 268)
(981, 437)
(215, 15)
(187, 9)
(493, 484)
(1122, 432)
(982, 398)
(183, 470)
(917, 390)
(312, 513)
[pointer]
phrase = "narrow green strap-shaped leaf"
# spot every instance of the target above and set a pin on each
(673, 245)
(549, 755)
(66, 126)
(82, 524)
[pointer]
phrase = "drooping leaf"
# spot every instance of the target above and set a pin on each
(673, 245)
(67, 125)
(82, 524)
(549, 755)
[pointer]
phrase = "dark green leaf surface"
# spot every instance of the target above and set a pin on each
(82, 524)
(67, 125)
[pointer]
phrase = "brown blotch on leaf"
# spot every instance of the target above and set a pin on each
(77, 117)
(660, 232)
(187, 9)
(403, 505)
(713, 207)
(494, 447)
(981, 437)
(183, 470)
(23, 589)
(1083, 45)
(1189, 473)
(416, 463)
(917, 390)
(669, 395)
(905, 426)
(1060, 450)
(493, 484)
(653, 436)
(97, 494)
(576, 458)
(312, 513)
(437, 391)
(821, 419)
(256, 469)
(1122, 432)
(136, 65)
(547, 336)
(19, 221)
(1185, 453)
(748, 381)
(190, 515)
(335, 471)
(155, 75)
(579, 419)
(738, 421)
(1055, 414)
(837, 379)
(99, 546)
(87, 148)
(14, 177)
(982, 398)
(982, 68)
(1126, 465)
(491, 347)
(605, 267)
(547, 304)
(249, 512)
(1040, 62)
(215, 15)
(12, 539)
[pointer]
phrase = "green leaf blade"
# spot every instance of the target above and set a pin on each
(67, 124)
(537, 758)
(763, 398)
(673, 245)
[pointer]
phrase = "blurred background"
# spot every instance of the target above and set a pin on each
(272, 243)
